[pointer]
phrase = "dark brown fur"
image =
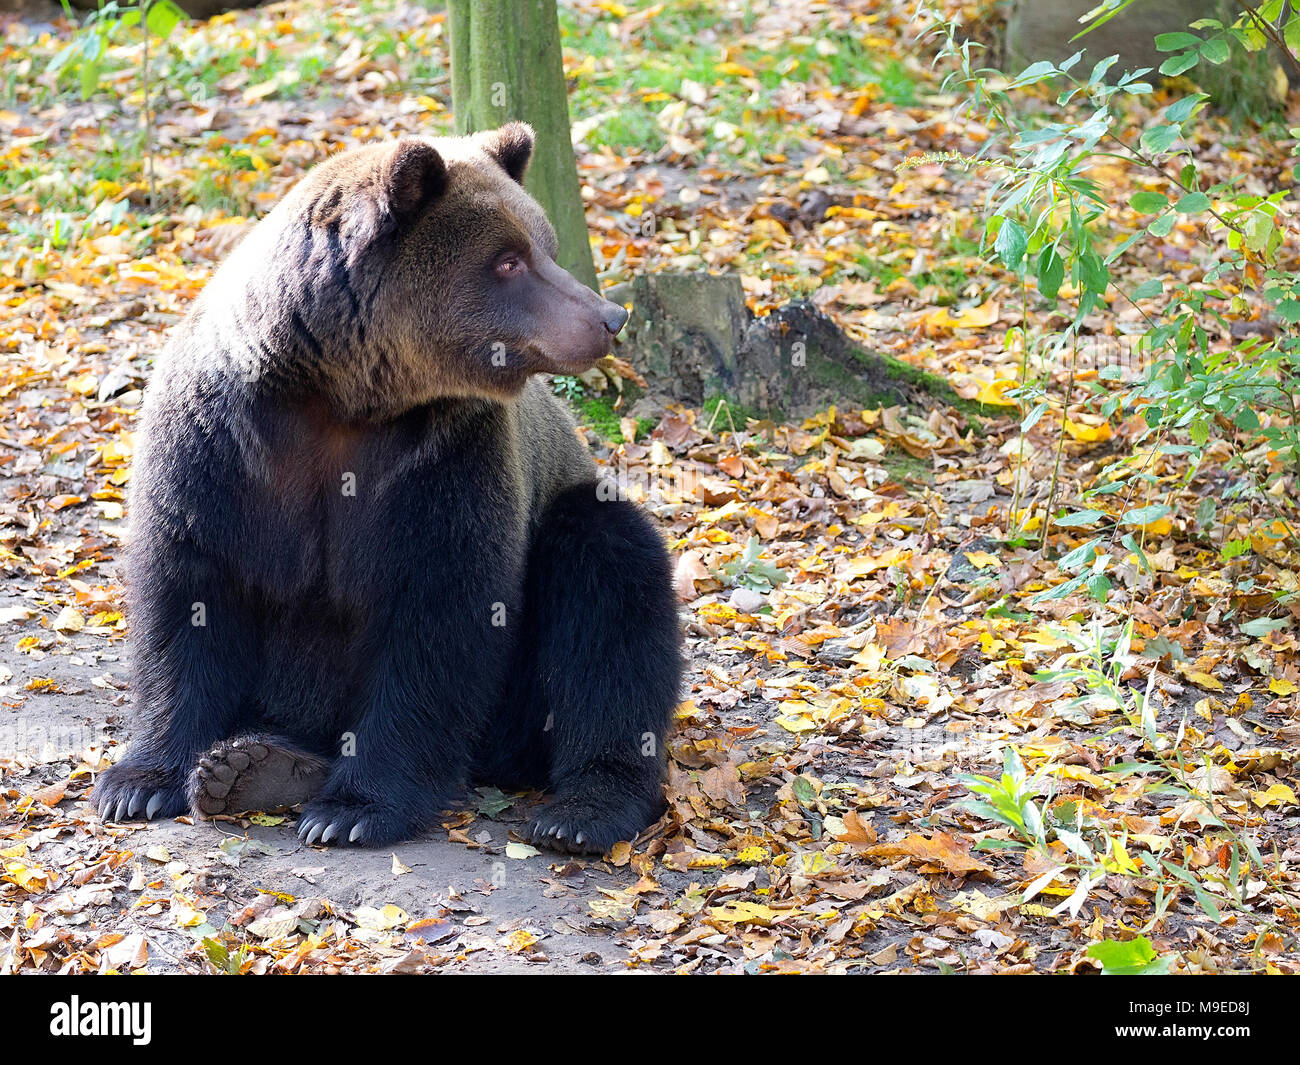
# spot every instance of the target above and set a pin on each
(366, 534)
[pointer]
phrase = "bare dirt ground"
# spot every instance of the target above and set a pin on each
(490, 912)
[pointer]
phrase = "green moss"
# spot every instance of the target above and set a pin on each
(934, 385)
(834, 376)
(903, 466)
(598, 414)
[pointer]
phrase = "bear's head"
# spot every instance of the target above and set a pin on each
(417, 269)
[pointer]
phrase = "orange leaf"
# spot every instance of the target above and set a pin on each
(942, 849)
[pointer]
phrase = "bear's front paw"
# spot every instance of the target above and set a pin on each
(353, 820)
(129, 790)
(592, 825)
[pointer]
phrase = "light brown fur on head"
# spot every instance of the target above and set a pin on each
(399, 273)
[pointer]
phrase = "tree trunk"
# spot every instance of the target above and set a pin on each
(505, 65)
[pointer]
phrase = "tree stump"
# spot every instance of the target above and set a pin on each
(692, 337)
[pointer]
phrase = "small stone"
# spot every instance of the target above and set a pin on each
(836, 652)
(748, 601)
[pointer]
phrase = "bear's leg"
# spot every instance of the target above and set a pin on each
(602, 622)
(440, 570)
(514, 751)
(429, 691)
(194, 649)
(254, 773)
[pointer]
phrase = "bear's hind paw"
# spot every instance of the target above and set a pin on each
(253, 773)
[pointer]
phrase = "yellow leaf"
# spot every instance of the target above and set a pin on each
(380, 920)
(84, 384)
(1120, 861)
(718, 613)
(860, 567)
(1159, 527)
(983, 560)
(28, 877)
(722, 513)
(69, 620)
(519, 941)
(748, 913)
(1277, 795)
(815, 863)
(1078, 772)
(871, 658)
(993, 393)
(1088, 434)
(797, 723)
(1044, 638)
(969, 318)
(1275, 530)
(981, 906)
(1279, 686)
(184, 914)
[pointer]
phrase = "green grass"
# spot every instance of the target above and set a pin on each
(671, 48)
(598, 413)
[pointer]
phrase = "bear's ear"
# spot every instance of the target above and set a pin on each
(412, 178)
(512, 147)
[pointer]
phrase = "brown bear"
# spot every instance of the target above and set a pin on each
(370, 562)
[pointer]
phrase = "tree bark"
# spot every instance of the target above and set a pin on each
(506, 64)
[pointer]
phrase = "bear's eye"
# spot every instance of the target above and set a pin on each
(509, 266)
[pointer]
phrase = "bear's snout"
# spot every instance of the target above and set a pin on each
(615, 318)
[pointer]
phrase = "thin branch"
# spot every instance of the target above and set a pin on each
(1271, 32)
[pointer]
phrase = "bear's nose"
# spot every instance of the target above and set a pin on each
(615, 317)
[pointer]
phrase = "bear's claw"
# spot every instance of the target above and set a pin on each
(583, 826)
(347, 820)
(124, 791)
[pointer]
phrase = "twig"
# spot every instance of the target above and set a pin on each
(1270, 32)
(148, 120)
(1060, 444)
